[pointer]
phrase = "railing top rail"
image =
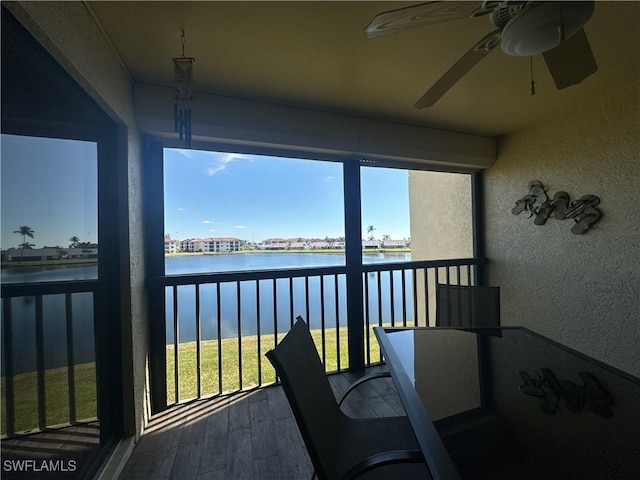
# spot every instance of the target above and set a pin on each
(215, 277)
(221, 277)
(372, 267)
(10, 290)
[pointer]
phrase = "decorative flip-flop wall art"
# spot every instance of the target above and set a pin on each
(583, 210)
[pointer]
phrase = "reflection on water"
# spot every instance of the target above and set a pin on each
(288, 293)
(49, 273)
(23, 310)
(54, 331)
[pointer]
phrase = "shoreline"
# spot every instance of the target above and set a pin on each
(373, 251)
(49, 263)
(93, 261)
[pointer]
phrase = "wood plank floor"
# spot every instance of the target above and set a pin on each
(245, 436)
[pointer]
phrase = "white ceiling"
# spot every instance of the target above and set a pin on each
(315, 54)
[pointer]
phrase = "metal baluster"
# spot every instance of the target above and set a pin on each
(175, 342)
(437, 282)
(275, 313)
(94, 298)
(335, 283)
(7, 348)
(198, 346)
(275, 318)
(291, 302)
(219, 320)
(415, 296)
(462, 321)
(426, 297)
(71, 377)
(379, 276)
(322, 322)
(239, 335)
(391, 299)
(258, 332)
(404, 297)
(366, 315)
(306, 300)
(42, 398)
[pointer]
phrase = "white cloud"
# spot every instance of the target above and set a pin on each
(180, 209)
(186, 153)
(221, 160)
(330, 177)
(205, 221)
(240, 227)
(211, 230)
(215, 162)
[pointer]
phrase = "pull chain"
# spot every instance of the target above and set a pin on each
(183, 42)
(533, 83)
(561, 26)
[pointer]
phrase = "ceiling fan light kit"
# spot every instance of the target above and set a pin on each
(524, 28)
(542, 27)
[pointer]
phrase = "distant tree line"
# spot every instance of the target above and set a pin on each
(27, 231)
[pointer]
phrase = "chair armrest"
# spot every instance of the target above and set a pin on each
(360, 381)
(384, 458)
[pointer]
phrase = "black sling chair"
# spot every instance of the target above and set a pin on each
(467, 306)
(341, 447)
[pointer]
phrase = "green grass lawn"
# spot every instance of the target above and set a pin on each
(56, 383)
(57, 397)
(187, 374)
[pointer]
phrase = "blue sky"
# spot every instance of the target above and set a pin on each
(252, 197)
(49, 185)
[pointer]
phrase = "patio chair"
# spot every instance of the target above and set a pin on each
(467, 306)
(341, 447)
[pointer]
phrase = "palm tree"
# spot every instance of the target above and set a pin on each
(74, 242)
(25, 231)
(370, 230)
(386, 237)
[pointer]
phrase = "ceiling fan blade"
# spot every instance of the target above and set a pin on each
(428, 13)
(459, 69)
(572, 61)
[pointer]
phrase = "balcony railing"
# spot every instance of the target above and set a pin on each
(217, 329)
(48, 363)
(218, 326)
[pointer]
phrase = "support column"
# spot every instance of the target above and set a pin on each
(154, 247)
(353, 254)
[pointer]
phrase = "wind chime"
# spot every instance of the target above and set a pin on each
(183, 95)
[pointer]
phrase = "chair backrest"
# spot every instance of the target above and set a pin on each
(312, 401)
(467, 306)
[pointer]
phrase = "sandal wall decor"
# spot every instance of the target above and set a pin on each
(583, 211)
(591, 395)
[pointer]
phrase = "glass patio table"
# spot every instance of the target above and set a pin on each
(507, 403)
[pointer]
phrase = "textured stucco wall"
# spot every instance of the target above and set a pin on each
(581, 290)
(440, 215)
(68, 32)
(441, 227)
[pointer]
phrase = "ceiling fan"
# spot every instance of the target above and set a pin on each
(523, 28)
